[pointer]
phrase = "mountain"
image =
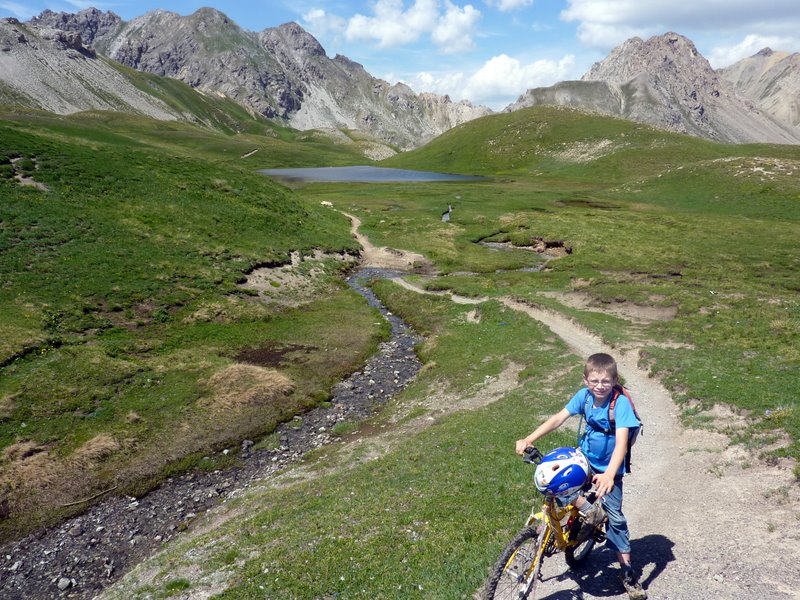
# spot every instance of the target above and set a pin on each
(282, 73)
(53, 70)
(664, 81)
(771, 80)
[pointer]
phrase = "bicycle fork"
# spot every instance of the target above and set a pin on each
(530, 559)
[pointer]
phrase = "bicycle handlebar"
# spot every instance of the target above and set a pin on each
(532, 455)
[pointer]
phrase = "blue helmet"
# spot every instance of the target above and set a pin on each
(562, 472)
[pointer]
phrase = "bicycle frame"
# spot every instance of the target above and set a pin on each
(559, 520)
(554, 528)
(557, 523)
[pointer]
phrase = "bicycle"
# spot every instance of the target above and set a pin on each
(554, 529)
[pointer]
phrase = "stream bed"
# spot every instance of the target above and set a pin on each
(87, 553)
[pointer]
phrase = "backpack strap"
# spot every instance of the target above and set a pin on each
(616, 392)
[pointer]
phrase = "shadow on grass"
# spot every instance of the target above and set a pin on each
(599, 576)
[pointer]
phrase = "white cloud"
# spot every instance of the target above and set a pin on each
(453, 31)
(444, 84)
(605, 36)
(509, 5)
(504, 77)
(724, 56)
(392, 25)
(322, 24)
(603, 24)
(395, 25)
(500, 81)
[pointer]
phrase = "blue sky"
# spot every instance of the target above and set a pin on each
(488, 51)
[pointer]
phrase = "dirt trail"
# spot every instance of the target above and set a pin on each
(707, 520)
(381, 257)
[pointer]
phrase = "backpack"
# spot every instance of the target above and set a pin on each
(633, 432)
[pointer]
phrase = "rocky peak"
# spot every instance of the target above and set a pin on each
(52, 70)
(771, 81)
(90, 23)
(669, 54)
(282, 72)
(664, 81)
(295, 39)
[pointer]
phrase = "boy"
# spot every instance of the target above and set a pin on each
(605, 453)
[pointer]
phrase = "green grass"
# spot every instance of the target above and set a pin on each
(426, 518)
(654, 219)
(147, 228)
(121, 294)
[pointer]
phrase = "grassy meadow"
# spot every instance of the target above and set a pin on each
(121, 301)
(123, 317)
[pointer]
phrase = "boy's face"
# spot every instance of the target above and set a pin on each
(600, 384)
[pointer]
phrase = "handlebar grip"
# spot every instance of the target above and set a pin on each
(531, 455)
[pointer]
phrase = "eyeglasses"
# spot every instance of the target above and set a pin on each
(599, 382)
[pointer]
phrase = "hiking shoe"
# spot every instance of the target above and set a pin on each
(594, 515)
(631, 583)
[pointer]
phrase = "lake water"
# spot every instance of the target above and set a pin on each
(364, 174)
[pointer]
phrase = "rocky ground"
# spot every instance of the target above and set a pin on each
(89, 552)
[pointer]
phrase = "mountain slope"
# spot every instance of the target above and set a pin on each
(666, 82)
(281, 73)
(771, 80)
(52, 70)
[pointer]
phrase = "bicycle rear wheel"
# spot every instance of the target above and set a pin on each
(516, 572)
(576, 555)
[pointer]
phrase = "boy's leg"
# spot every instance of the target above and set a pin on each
(617, 529)
(618, 537)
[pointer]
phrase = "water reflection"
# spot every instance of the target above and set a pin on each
(364, 174)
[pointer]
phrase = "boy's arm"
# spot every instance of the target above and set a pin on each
(604, 482)
(551, 424)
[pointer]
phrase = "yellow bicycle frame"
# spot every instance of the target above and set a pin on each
(558, 520)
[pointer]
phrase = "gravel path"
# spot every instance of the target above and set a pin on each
(707, 520)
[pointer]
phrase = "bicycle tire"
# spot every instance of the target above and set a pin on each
(524, 554)
(576, 555)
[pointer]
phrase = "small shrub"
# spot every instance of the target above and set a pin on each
(342, 428)
(176, 585)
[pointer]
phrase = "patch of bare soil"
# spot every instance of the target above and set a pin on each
(627, 310)
(381, 257)
(549, 248)
(293, 284)
(29, 181)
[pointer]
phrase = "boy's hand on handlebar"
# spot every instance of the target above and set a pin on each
(603, 483)
(521, 445)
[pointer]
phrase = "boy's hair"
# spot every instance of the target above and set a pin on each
(601, 363)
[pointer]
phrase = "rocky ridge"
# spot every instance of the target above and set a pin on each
(53, 70)
(281, 72)
(664, 81)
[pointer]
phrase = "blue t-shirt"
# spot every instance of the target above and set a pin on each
(596, 445)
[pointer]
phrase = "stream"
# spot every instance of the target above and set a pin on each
(87, 553)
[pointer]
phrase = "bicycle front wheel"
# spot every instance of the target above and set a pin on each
(516, 572)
